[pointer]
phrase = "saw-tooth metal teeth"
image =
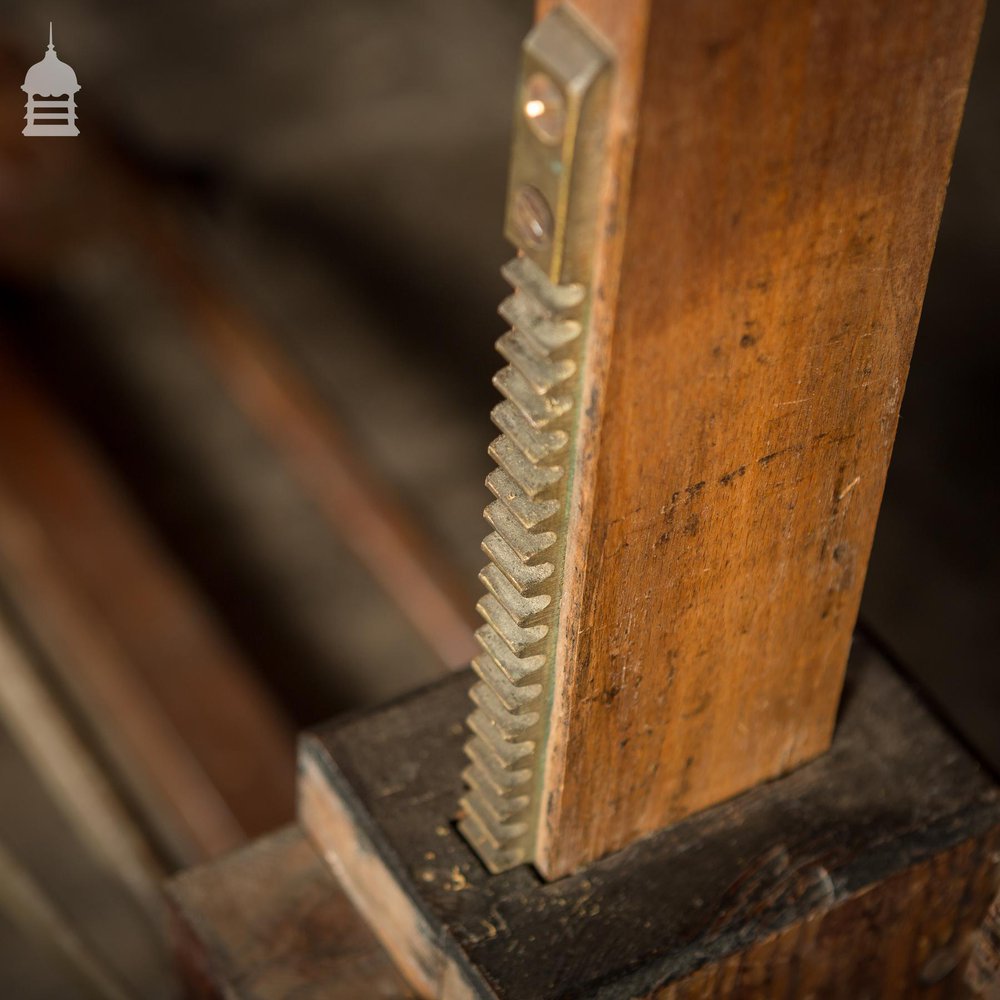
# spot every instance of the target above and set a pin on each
(527, 544)
(517, 725)
(526, 316)
(533, 479)
(542, 372)
(502, 825)
(519, 639)
(513, 698)
(522, 272)
(529, 512)
(504, 807)
(523, 577)
(524, 311)
(520, 608)
(524, 610)
(519, 670)
(500, 829)
(537, 445)
(503, 779)
(539, 411)
(549, 313)
(509, 752)
(497, 860)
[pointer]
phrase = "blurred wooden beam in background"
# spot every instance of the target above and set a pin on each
(70, 770)
(285, 410)
(24, 900)
(178, 714)
(42, 218)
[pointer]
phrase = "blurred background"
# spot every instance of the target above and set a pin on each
(246, 340)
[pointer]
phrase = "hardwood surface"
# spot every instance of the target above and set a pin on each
(775, 232)
(270, 922)
(860, 874)
(131, 646)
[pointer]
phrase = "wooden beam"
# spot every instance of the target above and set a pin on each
(861, 874)
(779, 169)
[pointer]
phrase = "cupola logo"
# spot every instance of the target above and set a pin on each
(51, 87)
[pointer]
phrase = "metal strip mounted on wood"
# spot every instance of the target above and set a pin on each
(556, 167)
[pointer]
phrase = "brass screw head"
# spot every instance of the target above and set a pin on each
(532, 218)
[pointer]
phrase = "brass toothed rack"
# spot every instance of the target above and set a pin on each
(556, 170)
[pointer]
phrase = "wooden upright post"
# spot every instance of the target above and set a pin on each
(778, 169)
(703, 389)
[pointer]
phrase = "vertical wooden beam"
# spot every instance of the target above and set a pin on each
(779, 172)
(128, 642)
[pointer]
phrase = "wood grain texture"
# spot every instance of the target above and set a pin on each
(270, 922)
(909, 936)
(790, 167)
(861, 874)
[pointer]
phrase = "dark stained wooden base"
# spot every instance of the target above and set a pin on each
(861, 874)
(270, 922)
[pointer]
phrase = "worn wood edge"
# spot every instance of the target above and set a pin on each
(195, 939)
(982, 972)
(200, 975)
(345, 837)
(734, 948)
(625, 25)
